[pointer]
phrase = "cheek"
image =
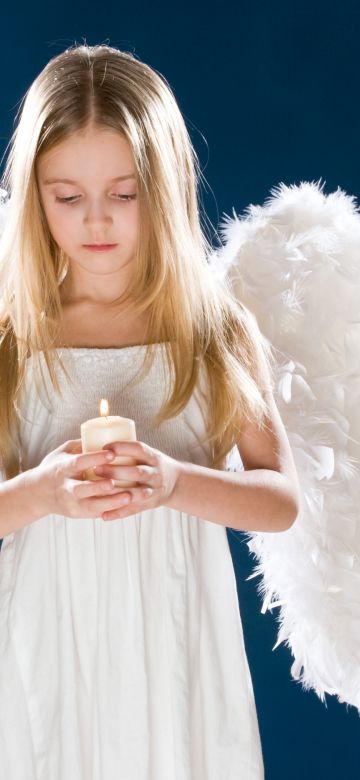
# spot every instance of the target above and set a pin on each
(133, 224)
(60, 225)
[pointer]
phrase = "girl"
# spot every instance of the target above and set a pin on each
(122, 653)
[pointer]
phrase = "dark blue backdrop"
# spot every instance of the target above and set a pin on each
(270, 93)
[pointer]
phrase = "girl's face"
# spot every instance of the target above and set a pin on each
(97, 205)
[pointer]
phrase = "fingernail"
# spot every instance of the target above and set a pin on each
(109, 455)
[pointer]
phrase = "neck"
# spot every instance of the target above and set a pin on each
(91, 289)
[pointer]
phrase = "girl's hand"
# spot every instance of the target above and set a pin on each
(59, 487)
(156, 472)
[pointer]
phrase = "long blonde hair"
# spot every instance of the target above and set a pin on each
(198, 319)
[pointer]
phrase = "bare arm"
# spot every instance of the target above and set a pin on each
(56, 486)
(19, 504)
(264, 497)
(257, 500)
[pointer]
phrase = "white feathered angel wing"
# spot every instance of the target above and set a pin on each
(295, 263)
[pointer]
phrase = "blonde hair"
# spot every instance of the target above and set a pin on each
(198, 319)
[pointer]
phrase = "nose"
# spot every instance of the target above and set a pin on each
(97, 213)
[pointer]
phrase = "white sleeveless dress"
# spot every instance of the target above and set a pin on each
(121, 646)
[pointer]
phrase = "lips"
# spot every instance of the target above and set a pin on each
(99, 247)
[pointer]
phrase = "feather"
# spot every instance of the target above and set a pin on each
(295, 263)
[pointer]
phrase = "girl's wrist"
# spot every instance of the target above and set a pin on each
(39, 496)
(21, 502)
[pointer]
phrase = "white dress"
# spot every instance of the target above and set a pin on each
(121, 646)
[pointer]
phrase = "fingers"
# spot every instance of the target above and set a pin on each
(136, 449)
(87, 488)
(98, 506)
(87, 460)
(94, 498)
(141, 498)
(140, 473)
(102, 499)
(71, 446)
(81, 461)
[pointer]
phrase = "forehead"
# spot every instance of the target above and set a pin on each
(83, 154)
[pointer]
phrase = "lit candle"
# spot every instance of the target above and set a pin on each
(106, 430)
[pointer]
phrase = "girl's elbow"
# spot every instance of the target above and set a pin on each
(289, 508)
(292, 514)
(292, 503)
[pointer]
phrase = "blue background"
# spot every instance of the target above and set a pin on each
(270, 93)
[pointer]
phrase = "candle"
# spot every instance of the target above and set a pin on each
(105, 430)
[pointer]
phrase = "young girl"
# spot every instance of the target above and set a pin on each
(122, 653)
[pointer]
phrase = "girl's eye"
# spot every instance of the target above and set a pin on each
(74, 198)
(126, 197)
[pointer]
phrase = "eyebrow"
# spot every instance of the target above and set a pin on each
(55, 180)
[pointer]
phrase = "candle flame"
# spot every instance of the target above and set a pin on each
(104, 407)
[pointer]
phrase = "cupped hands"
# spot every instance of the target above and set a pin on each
(60, 488)
(156, 474)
